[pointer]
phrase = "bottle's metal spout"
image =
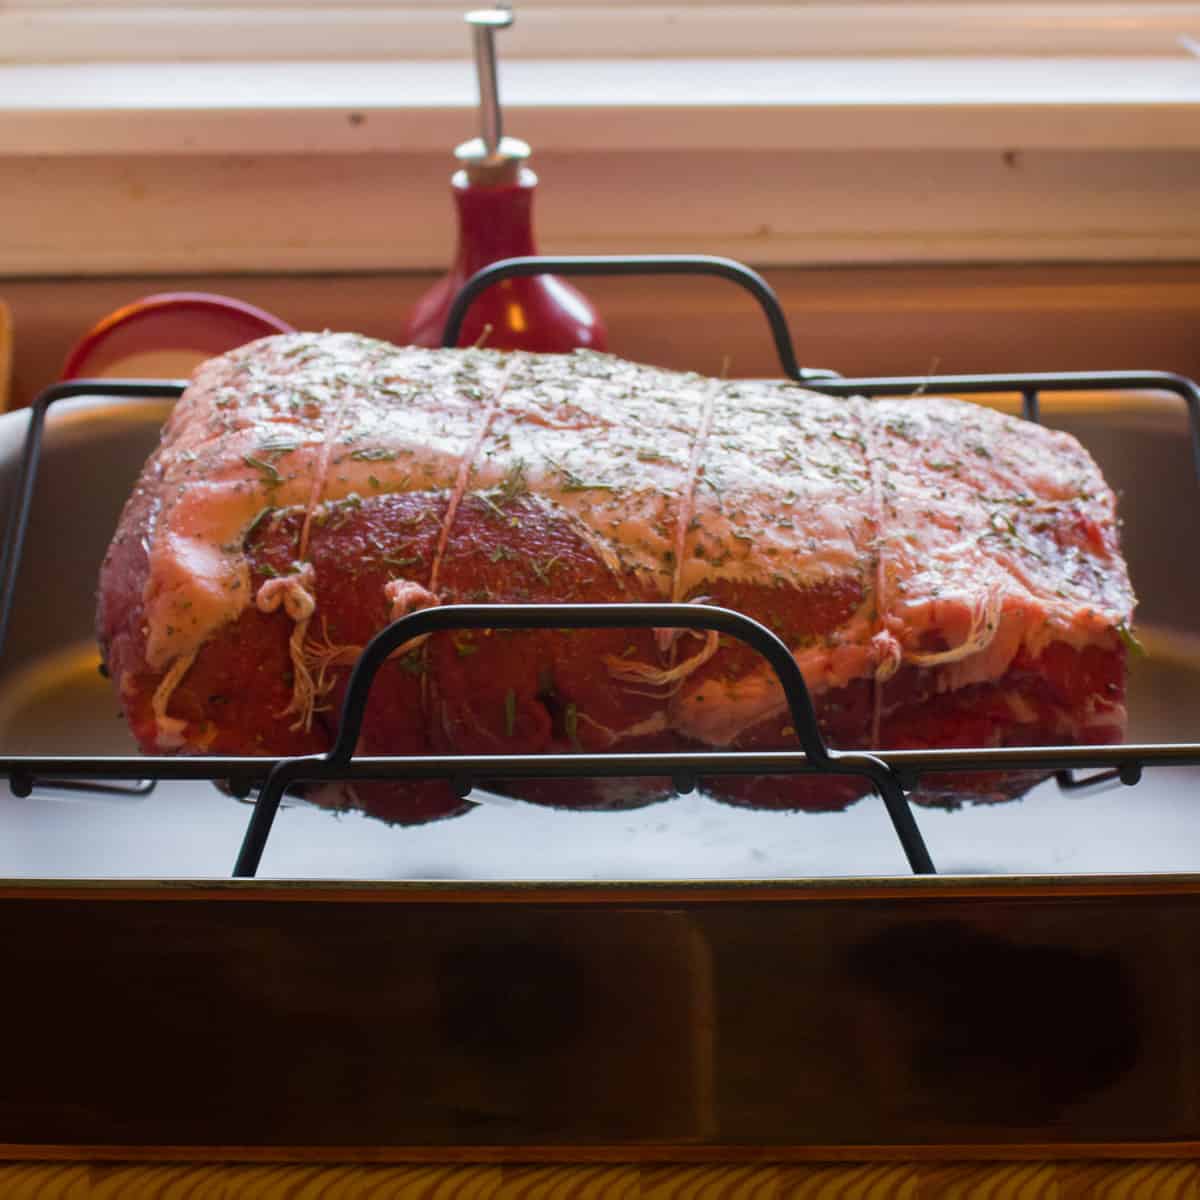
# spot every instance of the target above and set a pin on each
(484, 22)
(491, 157)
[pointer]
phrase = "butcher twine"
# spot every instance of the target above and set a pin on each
(295, 592)
(672, 675)
(409, 598)
(403, 595)
(312, 660)
(888, 652)
(465, 467)
(887, 649)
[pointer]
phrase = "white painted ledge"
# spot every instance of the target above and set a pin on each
(358, 30)
(786, 105)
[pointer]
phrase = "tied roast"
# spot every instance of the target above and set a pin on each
(945, 575)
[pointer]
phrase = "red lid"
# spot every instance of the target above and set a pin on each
(166, 336)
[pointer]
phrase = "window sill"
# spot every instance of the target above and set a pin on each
(1136, 103)
(169, 170)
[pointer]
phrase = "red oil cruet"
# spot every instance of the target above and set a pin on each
(493, 194)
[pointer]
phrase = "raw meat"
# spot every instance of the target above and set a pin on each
(946, 575)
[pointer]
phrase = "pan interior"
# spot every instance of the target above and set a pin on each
(53, 700)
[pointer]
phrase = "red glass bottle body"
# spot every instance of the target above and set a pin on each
(542, 312)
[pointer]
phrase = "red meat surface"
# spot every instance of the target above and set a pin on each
(944, 574)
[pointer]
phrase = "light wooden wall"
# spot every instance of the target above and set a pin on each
(857, 320)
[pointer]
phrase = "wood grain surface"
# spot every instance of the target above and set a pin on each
(857, 320)
(1098, 1180)
(390, 1024)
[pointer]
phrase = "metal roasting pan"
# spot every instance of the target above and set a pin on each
(54, 701)
(685, 982)
(689, 981)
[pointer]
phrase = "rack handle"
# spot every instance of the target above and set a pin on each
(637, 264)
(701, 618)
(583, 616)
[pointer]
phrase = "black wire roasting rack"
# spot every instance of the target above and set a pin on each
(892, 773)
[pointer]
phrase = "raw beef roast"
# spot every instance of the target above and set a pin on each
(946, 575)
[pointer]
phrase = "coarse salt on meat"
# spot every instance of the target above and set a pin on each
(933, 564)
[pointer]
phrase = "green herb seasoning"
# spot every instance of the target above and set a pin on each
(542, 570)
(270, 475)
(571, 725)
(413, 662)
(514, 483)
(575, 483)
(259, 517)
(1131, 643)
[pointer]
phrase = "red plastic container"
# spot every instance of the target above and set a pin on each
(167, 335)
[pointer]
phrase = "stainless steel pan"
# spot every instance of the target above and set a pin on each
(53, 701)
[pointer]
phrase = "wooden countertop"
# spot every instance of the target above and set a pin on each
(893, 1181)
